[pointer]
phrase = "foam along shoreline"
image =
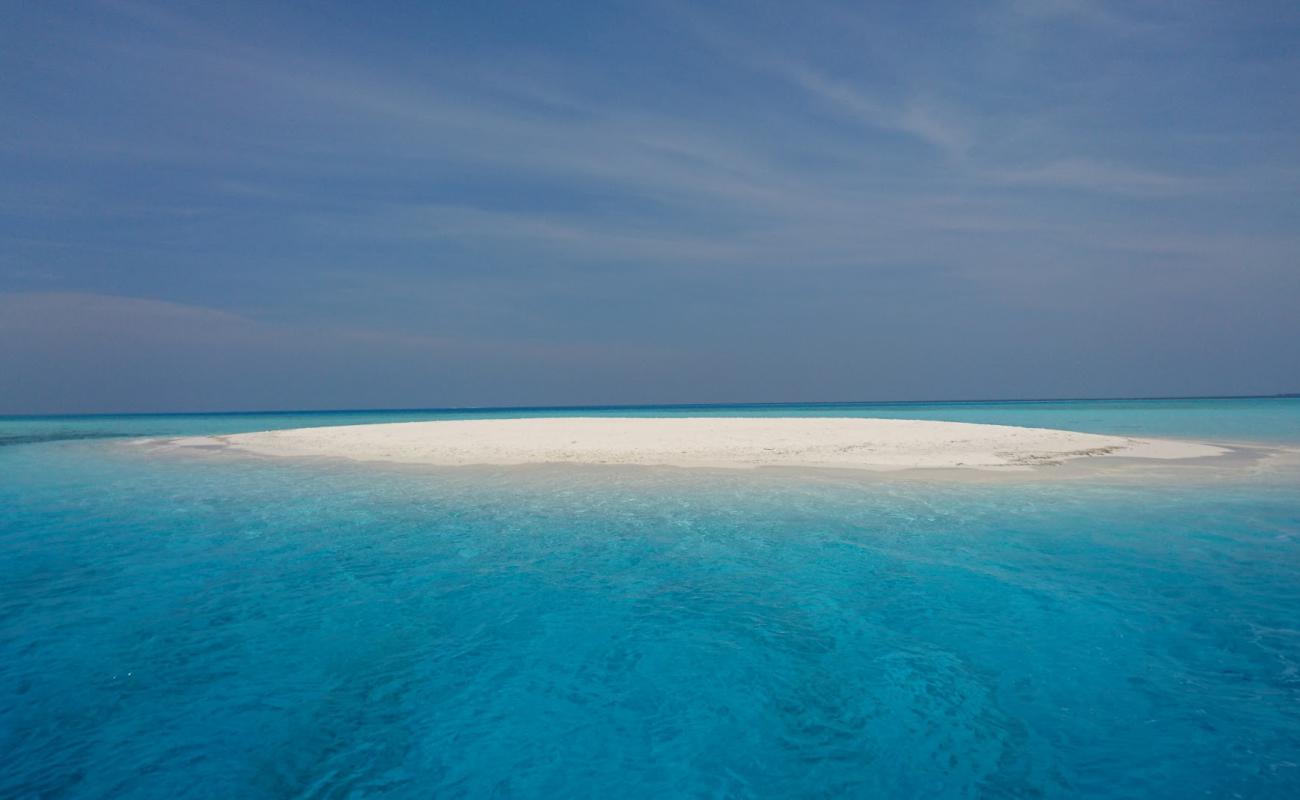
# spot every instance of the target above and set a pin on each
(717, 442)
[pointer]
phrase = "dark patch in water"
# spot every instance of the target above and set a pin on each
(37, 438)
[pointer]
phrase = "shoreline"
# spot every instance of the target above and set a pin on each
(852, 443)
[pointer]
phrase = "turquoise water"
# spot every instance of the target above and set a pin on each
(211, 627)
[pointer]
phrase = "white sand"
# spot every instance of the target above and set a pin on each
(874, 444)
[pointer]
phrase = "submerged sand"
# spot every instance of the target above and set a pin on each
(735, 442)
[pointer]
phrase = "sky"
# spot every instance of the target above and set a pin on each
(226, 206)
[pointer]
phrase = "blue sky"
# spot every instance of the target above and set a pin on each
(325, 205)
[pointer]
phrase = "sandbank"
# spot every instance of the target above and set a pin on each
(717, 442)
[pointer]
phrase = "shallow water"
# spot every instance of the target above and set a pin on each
(247, 628)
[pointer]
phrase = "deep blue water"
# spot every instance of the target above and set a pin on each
(193, 627)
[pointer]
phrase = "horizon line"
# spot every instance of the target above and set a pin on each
(609, 406)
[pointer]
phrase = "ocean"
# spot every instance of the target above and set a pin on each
(238, 627)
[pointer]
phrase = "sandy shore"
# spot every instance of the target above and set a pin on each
(871, 444)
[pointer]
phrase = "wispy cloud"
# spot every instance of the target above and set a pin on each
(1079, 173)
(577, 237)
(913, 118)
(1108, 17)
